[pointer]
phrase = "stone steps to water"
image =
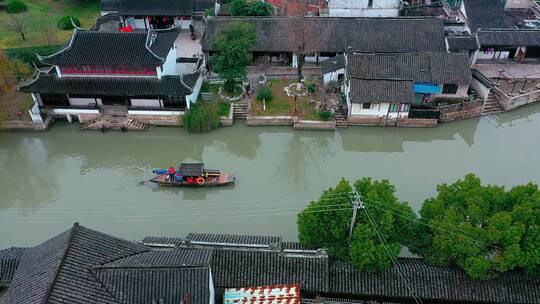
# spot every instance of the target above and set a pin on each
(492, 106)
(117, 111)
(341, 120)
(134, 125)
(240, 111)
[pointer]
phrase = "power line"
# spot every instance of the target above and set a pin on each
(146, 218)
(392, 259)
(456, 231)
(202, 206)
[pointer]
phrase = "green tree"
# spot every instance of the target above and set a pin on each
(233, 47)
(483, 229)
(325, 223)
(250, 8)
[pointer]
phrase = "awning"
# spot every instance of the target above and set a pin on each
(426, 88)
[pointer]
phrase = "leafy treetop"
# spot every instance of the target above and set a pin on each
(325, 224)
(483, 229)
(233, 46)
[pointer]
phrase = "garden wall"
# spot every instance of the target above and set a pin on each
(270, 121)
(228, 121)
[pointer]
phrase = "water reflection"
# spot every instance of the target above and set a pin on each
(385, 139)
(25, 174)
(304, 153)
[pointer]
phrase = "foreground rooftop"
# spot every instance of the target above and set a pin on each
(82, 265)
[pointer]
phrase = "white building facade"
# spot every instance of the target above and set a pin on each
(364, 8)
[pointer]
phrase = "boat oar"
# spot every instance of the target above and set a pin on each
(143, 182)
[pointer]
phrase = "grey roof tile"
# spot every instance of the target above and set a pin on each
(436, 68)
(462, 43)
(177, 257)
(9, 262)
(160, 241)
(146, 285)
(432, 283)
(110, 48)
(230, 239)
(486, 14)
(156, 7)
(38, 268)
(333, 64)
(113, 86)
(238, 268)
(282, 34)
(378, 91)
(514, 38)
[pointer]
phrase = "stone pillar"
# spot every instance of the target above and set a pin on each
(294, 60)
(69, 119)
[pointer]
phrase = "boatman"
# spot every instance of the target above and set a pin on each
(171, 172)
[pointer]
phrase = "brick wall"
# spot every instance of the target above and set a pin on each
(460, 111)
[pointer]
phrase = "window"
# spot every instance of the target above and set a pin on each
(449, 88)
(370, 3)
(366, 106)
(404, 107)
(393, 107)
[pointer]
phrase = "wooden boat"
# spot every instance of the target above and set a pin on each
(193, 175)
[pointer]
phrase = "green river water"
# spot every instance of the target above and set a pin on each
(50, 180)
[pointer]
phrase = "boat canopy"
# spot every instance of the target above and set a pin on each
(191, 169)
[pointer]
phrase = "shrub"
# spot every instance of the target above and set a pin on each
(28, 54)
(66, 23)
(325, 115)
(209, 12)
(15, 7)
(311, 87)
(21, 70)
(202, 116)
(266, 94)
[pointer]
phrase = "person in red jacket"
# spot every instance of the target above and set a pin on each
(171, 172)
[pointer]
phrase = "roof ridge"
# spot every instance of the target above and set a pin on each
(157, 266)
(103, 285)
(70, 240)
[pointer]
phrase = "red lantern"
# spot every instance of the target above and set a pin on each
(149, 18)
(165, 19)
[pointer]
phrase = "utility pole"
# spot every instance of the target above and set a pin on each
(357, 203)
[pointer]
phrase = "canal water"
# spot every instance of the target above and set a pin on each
(50, 180)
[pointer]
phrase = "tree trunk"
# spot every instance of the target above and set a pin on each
(22, 35)
(301, 58)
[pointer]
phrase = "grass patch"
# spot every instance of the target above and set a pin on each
(283, 105)
(224, 109)
(44, 12)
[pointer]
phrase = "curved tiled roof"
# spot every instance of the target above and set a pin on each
(115, 48)
(50, 83)
(156, 7)
(327, 34)
(9, 262)
(509, 37)
(462, 43)
(486, 14)
(436, 68)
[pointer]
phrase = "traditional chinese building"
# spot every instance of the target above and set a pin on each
(156, 14)
(137, 72)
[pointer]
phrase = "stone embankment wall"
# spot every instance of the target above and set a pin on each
(460, 111)
(416, 122)
(512, 102)
(382, 121)
(314, 125)
(270, 120)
